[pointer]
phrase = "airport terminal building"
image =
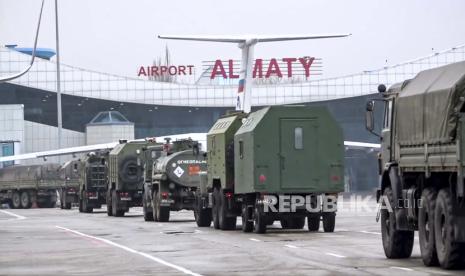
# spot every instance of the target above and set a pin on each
(138, 108)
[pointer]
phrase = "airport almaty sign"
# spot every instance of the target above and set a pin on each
(229, 69)
(271, 68)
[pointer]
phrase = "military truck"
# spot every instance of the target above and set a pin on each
(126, 179)
(69, 191)
(93, 181)
(23, 186)
(175, 178)
(285, 151)
(422, 165)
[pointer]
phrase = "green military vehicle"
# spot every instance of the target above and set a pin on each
(126, 177)
(25, 186)
(422, 165)
(93, 181)
(175, 178)
(69, 191)
(278, 151)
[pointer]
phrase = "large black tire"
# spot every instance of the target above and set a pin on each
(226, 222)
(62, 204)
(450, 254)
(313, 223)
(109, 204)
(68, 205)
(426, 227)
(259, 218)
(25, 200)
(114, 205)
(397, 244)
(329, 222)
(16, 200)
(215, 208)
(247, 222)
(80, 206)
(203, 217)
(162, 213)
(85, 205)
(148, 215)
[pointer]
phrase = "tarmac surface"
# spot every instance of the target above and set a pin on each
(66, 242)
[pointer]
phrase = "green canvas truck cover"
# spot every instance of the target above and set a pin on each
(428, 105)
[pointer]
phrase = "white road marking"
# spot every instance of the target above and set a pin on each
(13, 214)
(401, 268)
(255, 240)
(335, 255)
(150, 257)
(368, 232)
(290, 246)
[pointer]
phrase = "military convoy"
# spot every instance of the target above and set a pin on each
(422, 165)
(23, 186)
(175, 178)
(70, 174)
(275, 152)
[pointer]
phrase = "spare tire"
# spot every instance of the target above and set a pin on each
(129, 171)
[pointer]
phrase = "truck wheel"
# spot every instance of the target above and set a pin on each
(85, 205)
(16, 200)
(247, 222)
(203, 217)
(259, 220)
(449, 253)
(68, 205)
(62, 205)
(226, 223)
(162, 212)
(80, 206)
(215, 207)
(114, 205)
(329, 222)
(397, 244)
(109, 204)
(148, 216)
(313, 223)
(25, 200)
(426, 227)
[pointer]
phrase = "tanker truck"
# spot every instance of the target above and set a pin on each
(422, 165)
(69, 191)
(260, 162)
(93, 181)
(175, 177)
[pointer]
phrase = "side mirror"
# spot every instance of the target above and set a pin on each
(369, 119)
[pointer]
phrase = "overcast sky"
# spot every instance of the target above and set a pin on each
(118, 36)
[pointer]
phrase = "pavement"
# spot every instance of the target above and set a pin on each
(66, 242)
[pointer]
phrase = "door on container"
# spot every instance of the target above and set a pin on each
(298, 152)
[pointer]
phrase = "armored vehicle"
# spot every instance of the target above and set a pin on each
(126, 179)
(93, 181)
(69, 191)
(175, 177)
(422, 165)
(275, 152)
(25, 186)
